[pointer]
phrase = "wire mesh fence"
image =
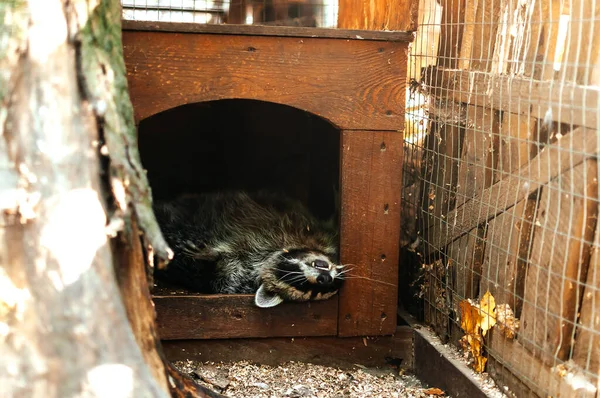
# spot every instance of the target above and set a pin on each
(501, 186)
(311, 13)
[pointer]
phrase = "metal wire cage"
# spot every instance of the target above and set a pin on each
(501, 186)
(312, 13)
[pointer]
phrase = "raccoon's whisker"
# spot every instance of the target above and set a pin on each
(369, 279)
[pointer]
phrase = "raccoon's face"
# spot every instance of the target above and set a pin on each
(299, 275)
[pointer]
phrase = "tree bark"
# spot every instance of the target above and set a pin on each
(70, 179)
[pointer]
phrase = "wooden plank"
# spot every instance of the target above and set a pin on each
(464, 259)
(571, 104)
(564, 230)
(442, 160)
(479, 35)
(186, 316)
(476, 166)
(378, 15)
(468, 34)
(582, 47)
(452, 27)
(555, 159)
(353, 84)
(506, 254)
(586, 352)
(513, 366)
(343, 353)
(516, 146)
(370, 231)
(436, 364)
(276, 31)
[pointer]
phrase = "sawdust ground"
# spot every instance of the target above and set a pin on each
(303, 380)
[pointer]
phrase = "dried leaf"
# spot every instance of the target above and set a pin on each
(506, 321)
(470, 319)
(434, 391)
(487, 312)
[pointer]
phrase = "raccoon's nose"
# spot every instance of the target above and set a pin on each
(320, 264)
(324, 279)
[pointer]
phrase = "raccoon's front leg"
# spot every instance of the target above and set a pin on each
(233, 276)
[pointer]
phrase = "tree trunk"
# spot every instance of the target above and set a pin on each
(71, 178)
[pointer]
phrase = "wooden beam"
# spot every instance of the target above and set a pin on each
(370, 231)
(378, 15)
(166, 70)
(187, 316)
(573, 104)
(552, 161)
(260, 30)
(328, 351)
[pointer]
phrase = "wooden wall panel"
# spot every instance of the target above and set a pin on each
(355, 84)
(370, 231)
(193, 316)
(564, 230)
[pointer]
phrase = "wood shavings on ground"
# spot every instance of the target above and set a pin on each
(302, 380)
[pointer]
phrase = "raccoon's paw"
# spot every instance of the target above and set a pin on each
(264, 299)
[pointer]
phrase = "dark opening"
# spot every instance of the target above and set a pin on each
(242, 144)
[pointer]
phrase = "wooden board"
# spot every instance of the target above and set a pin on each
(570, 151)
(570, 104)
(516, 146)
(370, 231)
(478, 150)
(582, 44)
(451, 33)
(328, 351)
(479, 35)
(378, 14)
(464, 259)
(276, 31)
(181, 317)
(564, 230)
(355, 84)
(506, 254)
(586, 352)
(513, 366)
(442, 160)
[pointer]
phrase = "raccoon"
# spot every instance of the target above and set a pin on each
(261, 243)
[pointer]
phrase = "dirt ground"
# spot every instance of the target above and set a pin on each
(302, 380)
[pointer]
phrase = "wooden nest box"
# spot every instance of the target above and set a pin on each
(348, 82)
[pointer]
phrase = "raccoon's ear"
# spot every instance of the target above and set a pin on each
(264, 299)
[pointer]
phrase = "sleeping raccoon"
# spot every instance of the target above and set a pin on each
(264, 244)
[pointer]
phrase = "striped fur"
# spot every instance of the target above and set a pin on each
(263, 243)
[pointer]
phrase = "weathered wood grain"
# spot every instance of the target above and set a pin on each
(328, 351)
(355, 84)
(370, 231)
(441, 166)
(478, 153)
(564, 230)
(275, 31)
(378, 15)
(506, 248)
(185, 316)
(570, 103)
(553, 160)
(586, 351)
(512, 365)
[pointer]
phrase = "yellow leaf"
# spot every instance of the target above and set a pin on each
(470, 319)
(488, 312)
